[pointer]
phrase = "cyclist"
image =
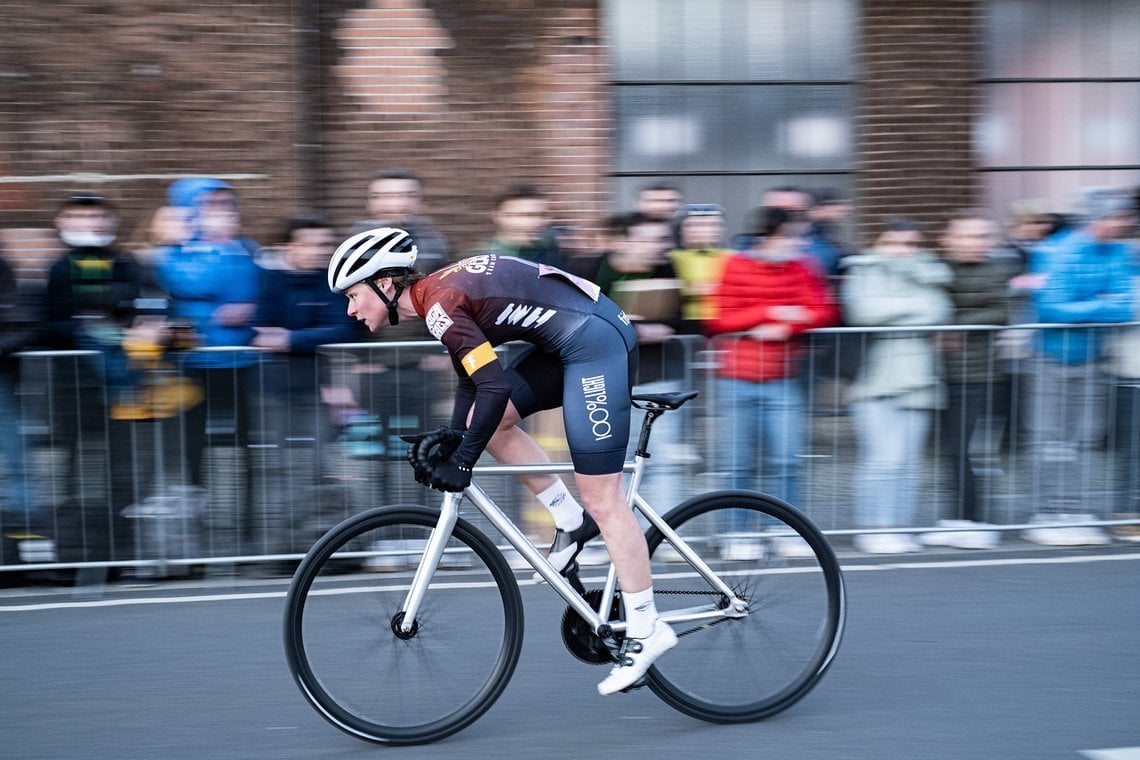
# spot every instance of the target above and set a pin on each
(582, 357)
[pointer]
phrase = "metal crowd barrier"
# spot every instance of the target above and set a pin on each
(282, 448)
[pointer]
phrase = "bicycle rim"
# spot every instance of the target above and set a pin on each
(343, 640)
(748, 668)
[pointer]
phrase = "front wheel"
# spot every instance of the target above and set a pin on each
(750, 667)
(352, 658)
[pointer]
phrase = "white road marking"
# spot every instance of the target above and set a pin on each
(926, 565)
(1121, 753)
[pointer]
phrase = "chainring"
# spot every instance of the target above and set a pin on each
(579, 636)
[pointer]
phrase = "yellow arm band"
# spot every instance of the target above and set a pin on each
(478, 357)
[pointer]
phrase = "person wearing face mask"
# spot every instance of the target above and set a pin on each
(765, 300)
(89, 305)
(214, 285)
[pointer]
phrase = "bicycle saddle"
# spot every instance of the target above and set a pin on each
(672, 400)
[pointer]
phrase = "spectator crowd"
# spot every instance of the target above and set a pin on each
(175, 324)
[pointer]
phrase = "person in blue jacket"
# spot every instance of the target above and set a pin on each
(214, 283)
(1086, 275)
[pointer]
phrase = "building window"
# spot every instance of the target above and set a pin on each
(1061, 106)
(726, 98)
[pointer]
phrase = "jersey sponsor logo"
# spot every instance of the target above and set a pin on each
(594, 391)
(624, 318)
(478, 357)
(525, 315)
(482, 264)
(437, 321)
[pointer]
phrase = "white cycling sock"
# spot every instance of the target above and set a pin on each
(563, 506)
(640, 613)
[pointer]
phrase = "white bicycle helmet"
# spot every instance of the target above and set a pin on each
(380, 252)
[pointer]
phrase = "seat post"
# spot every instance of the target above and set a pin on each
(651, 414)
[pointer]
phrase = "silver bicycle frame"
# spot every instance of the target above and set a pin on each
(449, 513)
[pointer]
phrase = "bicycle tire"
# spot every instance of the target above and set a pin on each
(341, 635)
(746, 669)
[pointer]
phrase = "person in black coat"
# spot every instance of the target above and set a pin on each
(89, 306)
(296, 314)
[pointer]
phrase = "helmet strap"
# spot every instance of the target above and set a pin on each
(391, 303)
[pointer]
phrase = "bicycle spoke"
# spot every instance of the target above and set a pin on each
(402, 688)
(753, 666)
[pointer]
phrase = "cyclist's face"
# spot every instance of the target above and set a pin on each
(365, 306)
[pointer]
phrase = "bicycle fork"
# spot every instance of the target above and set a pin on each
(433, 552)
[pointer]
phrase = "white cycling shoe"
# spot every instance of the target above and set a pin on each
(636, 657)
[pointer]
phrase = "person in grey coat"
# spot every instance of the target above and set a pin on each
(898, 386)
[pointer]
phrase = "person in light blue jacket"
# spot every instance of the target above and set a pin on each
(213, 282)
(212, 278)
(1086, 278)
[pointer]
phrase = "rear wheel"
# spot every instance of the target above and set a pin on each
(781, 566)
(349, 654)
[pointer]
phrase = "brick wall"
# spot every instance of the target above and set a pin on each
(122, 96)
(917, 96)
(473, 95)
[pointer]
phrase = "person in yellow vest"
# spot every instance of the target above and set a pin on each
(699, 257)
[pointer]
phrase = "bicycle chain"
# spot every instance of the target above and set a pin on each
(703, 626)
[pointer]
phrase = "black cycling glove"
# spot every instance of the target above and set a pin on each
(430, 449)
(450, 476)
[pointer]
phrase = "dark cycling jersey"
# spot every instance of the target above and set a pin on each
(584, 355)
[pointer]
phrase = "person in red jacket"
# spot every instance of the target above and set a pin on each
(767, 297)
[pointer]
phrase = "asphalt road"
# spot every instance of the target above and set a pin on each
(1032, 655)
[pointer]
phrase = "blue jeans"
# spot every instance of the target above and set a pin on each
(761, 437)
(20, 501)
(891, 441)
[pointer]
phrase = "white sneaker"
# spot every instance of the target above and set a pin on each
(907, 543)
(1066, 536)
(594, 555)
(636, 656)
(735, 548)
(885, 543)
(967, 535)
(975, 539)
(791, 547)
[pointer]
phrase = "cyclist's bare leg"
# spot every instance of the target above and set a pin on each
(603, 496)
(512, 445)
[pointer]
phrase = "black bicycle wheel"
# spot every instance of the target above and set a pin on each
(347, 651)
(750, 667)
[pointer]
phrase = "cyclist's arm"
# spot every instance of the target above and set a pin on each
(483, 385)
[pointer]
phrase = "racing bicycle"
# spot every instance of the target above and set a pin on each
(403, 624)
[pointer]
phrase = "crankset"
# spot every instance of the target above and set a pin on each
(579, 636)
